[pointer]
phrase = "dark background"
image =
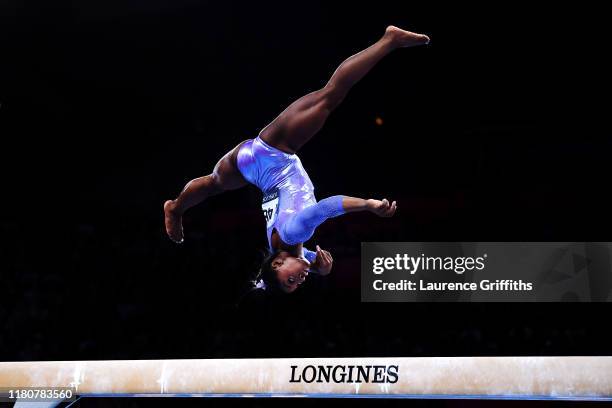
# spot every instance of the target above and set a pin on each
(496, 131)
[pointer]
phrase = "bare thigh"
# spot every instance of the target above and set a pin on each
(226, 173)
(297, 124)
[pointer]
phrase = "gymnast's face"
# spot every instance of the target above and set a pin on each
(291, 271)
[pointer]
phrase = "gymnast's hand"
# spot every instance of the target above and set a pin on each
(381, 208)
(323, 262)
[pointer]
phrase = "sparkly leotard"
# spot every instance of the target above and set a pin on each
(289, 204)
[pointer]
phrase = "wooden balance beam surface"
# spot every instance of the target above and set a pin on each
(427, 377)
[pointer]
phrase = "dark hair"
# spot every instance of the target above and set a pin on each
(266, 272)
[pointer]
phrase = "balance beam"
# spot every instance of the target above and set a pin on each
(586, 378)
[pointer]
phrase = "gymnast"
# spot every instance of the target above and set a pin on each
(270, 162)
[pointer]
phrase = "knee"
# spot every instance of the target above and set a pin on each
(215, 183)
(221, 182)
(332, 95)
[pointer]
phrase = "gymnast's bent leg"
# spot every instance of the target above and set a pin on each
(297, 124)
(224, 177)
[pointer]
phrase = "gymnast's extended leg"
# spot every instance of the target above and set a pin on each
(305, 117)
(225, 176)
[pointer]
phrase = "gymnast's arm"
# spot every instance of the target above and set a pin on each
(382, 208)
(302, 225)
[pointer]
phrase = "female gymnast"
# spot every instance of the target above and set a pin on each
(270, 162)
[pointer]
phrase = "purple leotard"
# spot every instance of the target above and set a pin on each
(289, 204)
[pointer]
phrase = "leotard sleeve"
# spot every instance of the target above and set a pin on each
(300, 227)
(310, 255)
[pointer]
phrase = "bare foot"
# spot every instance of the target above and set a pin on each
(173, 221)
(402, 38)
